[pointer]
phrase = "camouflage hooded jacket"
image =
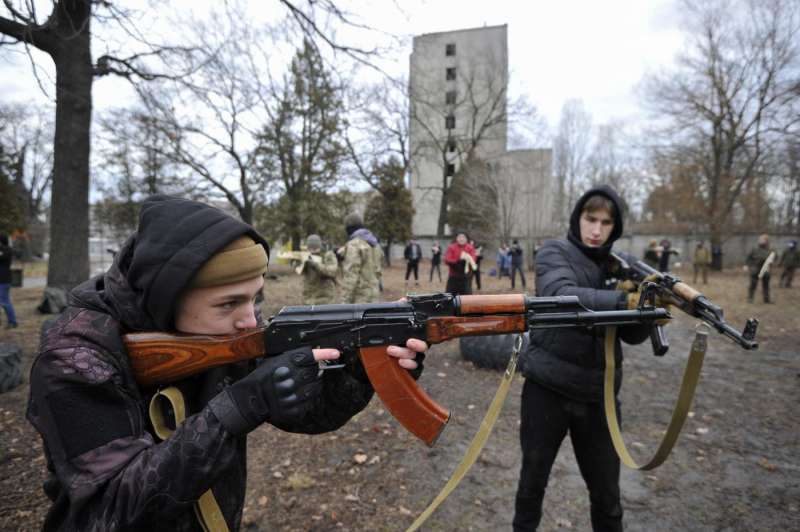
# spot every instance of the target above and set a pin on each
(106, 469)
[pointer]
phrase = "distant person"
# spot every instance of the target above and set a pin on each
(702, 260)
(666, 251)
(476, 275)
(319, 274)
(412, 254)
(460, 259)
(790, 260)
(759, 259)
(503, 261)
(517, 263)
(651, 254)
(436, 261)
(361, 263)
(6, 254)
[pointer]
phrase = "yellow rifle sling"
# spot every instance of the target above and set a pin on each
(206, 508)
(691, 376)
(478, 441)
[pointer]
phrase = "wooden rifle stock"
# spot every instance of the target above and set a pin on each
(160, 358)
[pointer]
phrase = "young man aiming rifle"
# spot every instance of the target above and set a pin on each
(190, 268)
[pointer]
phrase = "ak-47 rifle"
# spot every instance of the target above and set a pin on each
(367, 329)
(671, 289)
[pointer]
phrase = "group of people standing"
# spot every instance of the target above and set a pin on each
(463, 258)
(510, 261)
(355, 269)
(758, 263)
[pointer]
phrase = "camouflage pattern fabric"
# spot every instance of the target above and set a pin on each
(319, 279)
(790, 258)
(360, 272)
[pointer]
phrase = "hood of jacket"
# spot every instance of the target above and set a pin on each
(175, 237)
(365, 235)
(574, 233)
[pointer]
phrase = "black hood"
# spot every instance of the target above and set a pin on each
(175, 238)
(574, 234)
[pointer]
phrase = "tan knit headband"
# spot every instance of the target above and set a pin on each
(240, 260)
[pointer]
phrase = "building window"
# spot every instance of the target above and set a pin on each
(450, 122)
(450, 73)
(450, 49)
(450, 97)
(451, 169)
(451, 146)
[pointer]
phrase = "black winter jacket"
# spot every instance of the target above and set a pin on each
(107, 470)
(571, 361)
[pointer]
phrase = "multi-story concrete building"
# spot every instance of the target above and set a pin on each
(458, 88)
(458, 82)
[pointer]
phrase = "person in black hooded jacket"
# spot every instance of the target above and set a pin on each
(564, 367)
(189, 268)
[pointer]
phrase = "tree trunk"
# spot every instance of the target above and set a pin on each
(69, 219)
(443, 206)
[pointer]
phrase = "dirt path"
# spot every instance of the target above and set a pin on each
(735, 467)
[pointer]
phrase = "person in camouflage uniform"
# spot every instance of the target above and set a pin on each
(361, 268)
(189, 268)
(790, 260)
(702, 260)
(319, 274)
(755, 262)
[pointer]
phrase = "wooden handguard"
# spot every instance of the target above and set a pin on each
(492, 304)
(406, 401)
(439, 330)
(685, 291)
(158, 358)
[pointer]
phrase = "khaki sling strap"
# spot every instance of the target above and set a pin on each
(206, 508)
(478, 441)
(691, 376)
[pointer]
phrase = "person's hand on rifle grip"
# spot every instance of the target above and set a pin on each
(410, 357)
(280, 391)
(655, 300)
(628, 285)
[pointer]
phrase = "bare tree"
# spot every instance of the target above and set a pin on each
(728, 99)
(65, 34)
(454, 123)
(26, 132)
(378, 129)
(571, 147)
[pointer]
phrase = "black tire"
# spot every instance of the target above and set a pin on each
(490, 352)
(10, 367)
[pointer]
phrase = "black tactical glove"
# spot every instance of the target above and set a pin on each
(280, 390)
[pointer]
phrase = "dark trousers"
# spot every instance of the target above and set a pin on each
(412, 266)
(786, 277)
(514, 269)
(459, 285)
(436, 266)
(477, 276)
(751, 292)
(546, 418)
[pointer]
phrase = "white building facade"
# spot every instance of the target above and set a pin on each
(458, 89)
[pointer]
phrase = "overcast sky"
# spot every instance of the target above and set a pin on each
(594, 50)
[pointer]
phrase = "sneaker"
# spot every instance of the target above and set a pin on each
(11, 325)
